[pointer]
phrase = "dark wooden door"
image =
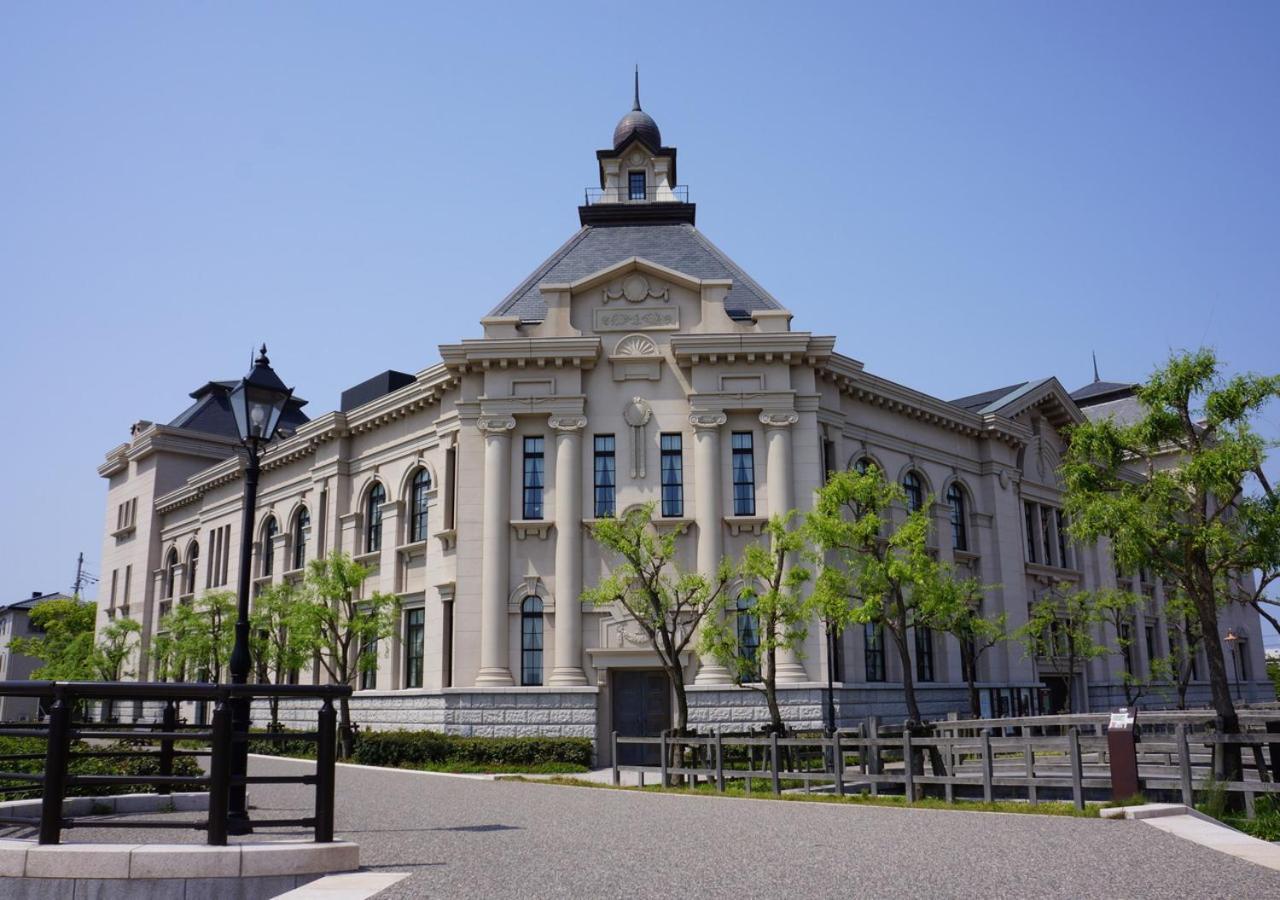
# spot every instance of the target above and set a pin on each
(641, 708)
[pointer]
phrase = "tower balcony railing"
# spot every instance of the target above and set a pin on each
(625, 194)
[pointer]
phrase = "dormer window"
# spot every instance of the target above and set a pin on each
(636, 181)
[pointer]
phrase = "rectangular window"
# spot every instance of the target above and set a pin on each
(1151, 645)
(114, 576)
(369, 676)
(414, 628)
(605, 478)
(744, 475)
(672, 475)
(1064, 559)
(636, 185)
(828, 459)
(873, 636)
(1030, 510)
(1047, 534)
(1242, 660)
(924, 654)
(1126, 646)
(533, 478)
(128, 578)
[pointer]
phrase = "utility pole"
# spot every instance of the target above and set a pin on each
(83, 578)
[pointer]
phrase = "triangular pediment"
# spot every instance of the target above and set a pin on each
(626, 267)
(1048, 395)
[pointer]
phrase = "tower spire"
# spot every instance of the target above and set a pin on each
(1096, 379)
(636, 105)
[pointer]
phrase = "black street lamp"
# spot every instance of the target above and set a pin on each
(831, 678)
(257, 403)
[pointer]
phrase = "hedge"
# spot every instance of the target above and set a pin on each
(394, 748)
(113, 765)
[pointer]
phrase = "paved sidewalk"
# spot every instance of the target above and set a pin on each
(460, 837)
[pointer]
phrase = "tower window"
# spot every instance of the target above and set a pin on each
(605, 476)
(672, 475)
(636, 181)
(744, 475)
(533, 477)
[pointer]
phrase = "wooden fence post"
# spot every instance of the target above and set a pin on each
(1029, 759)
(617, 773)
(1184, 765)
(662, 744)
(908, 781)
(1077, 771)
(774, 763)
(873, 753)
(838, 758)
(988, 765)
(719, 761)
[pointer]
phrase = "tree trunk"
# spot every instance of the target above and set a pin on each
(969, 664)
(1227, 765)
(676, 676)
(771, 690)
(345, 737)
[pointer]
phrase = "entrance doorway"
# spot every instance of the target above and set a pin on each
(641, 701)
(1058, 688)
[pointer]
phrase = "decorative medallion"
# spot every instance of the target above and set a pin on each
(636, 345)
(635, 288)
(636, 158)
(637, 414)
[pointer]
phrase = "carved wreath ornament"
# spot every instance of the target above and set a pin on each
(637, 414)
(635, 288)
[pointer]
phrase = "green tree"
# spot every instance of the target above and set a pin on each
(1273, 672)
(774, 585)
(1183, 630)
(667, 603)
(333, 619)
(883, 570)
(1060, 629)
(194, 639)
(1118, 609)
(1192, 514)
(273, 641)
(64, 644)
(960, 615)
(115, 649)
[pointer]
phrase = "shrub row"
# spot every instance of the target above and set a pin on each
(98, 765)
(393, 748)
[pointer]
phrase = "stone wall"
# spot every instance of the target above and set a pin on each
(803, 707)
(564, 712)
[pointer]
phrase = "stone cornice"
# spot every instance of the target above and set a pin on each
(793, 347)
(770, 402)
(487, 353)
(850, 378)
(163, 438)
(558, 405)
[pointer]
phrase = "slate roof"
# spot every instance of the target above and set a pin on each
(681, 247)
(211, 411)
(979, 402)
(30, 602)
(1100, 392)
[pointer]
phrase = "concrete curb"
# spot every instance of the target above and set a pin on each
(1192, 825)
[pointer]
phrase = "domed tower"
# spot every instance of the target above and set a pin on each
(637, 176)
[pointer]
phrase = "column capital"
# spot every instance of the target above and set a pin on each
(779, 418)
(495, 425)
(567, 424)
(707, 419)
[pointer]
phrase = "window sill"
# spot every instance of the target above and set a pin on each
(537, 527)
(1047, 574)
(122, 533)
(412, 548)
(964, 556)
(371, 557)
(673, 521)
(447, 537)
(750, 524)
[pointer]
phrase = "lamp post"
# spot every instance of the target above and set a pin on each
(1231, 640)
(257, 403)
(831, 678)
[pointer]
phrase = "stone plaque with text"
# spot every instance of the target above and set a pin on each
(637, 318)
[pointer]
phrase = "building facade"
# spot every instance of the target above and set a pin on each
(637, 364)
(15, 622)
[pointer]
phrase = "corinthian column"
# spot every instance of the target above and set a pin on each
(780, 482)
(568, 668)
(709, 508)
(494, 668)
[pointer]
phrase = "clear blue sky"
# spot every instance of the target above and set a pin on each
(967, 194)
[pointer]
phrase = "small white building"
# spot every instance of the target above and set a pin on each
(637, 364)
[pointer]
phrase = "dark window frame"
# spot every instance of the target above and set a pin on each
(301, 530)
(913, 487)
(643, 179)
(373, 511)
(746, 627)
(959, 517)
(671, 453)
(419, 505)
(269, 533)
(1029, 522)
(604, 476)
(873, 652)
(742, 446)
(415, 631)
(534, 477)
(532, 641)
(925, 668)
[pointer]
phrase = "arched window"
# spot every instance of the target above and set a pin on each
(301, 531)
(189, 576)
(531, 641)
(747, 627)
(959, 517)
(418, 505)
(861, 465)
(914, 488)
(373, 515)
(171, 572)
(268, 545)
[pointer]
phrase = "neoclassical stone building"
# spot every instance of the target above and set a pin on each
(637, 364)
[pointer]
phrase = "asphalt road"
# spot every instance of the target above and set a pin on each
(468, 838)
(461, 837)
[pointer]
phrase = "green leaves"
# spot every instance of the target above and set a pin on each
(332, 618)
(195, 639)
(67, 647)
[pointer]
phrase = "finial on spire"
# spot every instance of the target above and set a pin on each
(1096, 379)
(636, 104)
(262, 356)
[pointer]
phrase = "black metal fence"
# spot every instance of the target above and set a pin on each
(626, 193)
(69, 737)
